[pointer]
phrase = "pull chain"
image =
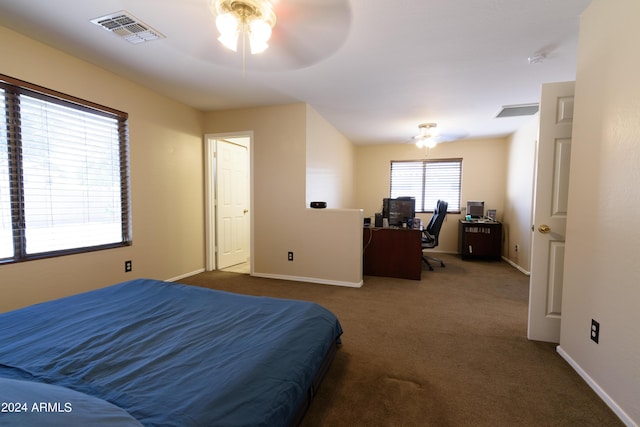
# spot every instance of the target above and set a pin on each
(244, 47)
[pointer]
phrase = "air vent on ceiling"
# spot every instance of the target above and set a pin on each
(518, 110)
(128, 27)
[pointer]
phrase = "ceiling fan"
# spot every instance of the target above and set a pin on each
(429, 137)
(304, 33)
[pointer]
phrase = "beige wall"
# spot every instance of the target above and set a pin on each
(327, 244)
(602, 272)
(166, 181)
(330, 164)
(519, 194)
(483, 177)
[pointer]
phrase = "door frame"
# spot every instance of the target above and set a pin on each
(210, 176)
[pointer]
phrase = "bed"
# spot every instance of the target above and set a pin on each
(147, 352)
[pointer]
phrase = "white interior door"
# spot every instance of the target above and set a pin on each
(550, 211)
(232, 203)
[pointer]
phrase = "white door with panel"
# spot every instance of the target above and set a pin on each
(551, 189)
(232, 190)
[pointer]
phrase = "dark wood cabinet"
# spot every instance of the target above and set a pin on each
(480, 239)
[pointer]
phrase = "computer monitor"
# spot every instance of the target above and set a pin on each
(399, 210)
(475, 208)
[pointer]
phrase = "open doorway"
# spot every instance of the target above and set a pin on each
(228, 202)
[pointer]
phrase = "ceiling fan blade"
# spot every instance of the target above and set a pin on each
(440, 137)
(450, 136)
(313, 16)
(306, 32)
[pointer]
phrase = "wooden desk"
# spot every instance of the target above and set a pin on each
(392, 252)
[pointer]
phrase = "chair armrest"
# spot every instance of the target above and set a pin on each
(428, 237)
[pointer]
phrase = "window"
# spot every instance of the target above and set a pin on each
(63, 174)
(428, 181)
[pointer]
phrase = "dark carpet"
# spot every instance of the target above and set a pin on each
(449, 350)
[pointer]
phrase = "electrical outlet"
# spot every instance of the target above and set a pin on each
(128, 266)
(290, 256)
(517, 247)
(595, 331)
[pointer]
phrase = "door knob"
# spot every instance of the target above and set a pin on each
(544, 228)
(245, 211)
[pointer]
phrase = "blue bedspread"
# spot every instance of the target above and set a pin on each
(171, 354)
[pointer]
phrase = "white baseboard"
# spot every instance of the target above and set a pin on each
(309, 280)
(517, 267)
(513, 264)
(182, 276)
(282, 277)
(599, 391)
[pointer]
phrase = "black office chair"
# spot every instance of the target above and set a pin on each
(432, 231)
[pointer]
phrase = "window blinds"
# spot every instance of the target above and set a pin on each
(6, 233)
(63, 176)
(428, 181)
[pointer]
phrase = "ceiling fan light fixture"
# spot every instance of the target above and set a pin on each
(227, 23)
(426, 142)
(430, 143)
(426, 137)
(253, 18)
(228, 26)
(259, 34)
(257, 46)
(230, 41)
(260, 30)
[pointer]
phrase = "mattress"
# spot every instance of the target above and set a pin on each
(163, 354)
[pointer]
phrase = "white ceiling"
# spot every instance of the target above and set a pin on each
(375, 69)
